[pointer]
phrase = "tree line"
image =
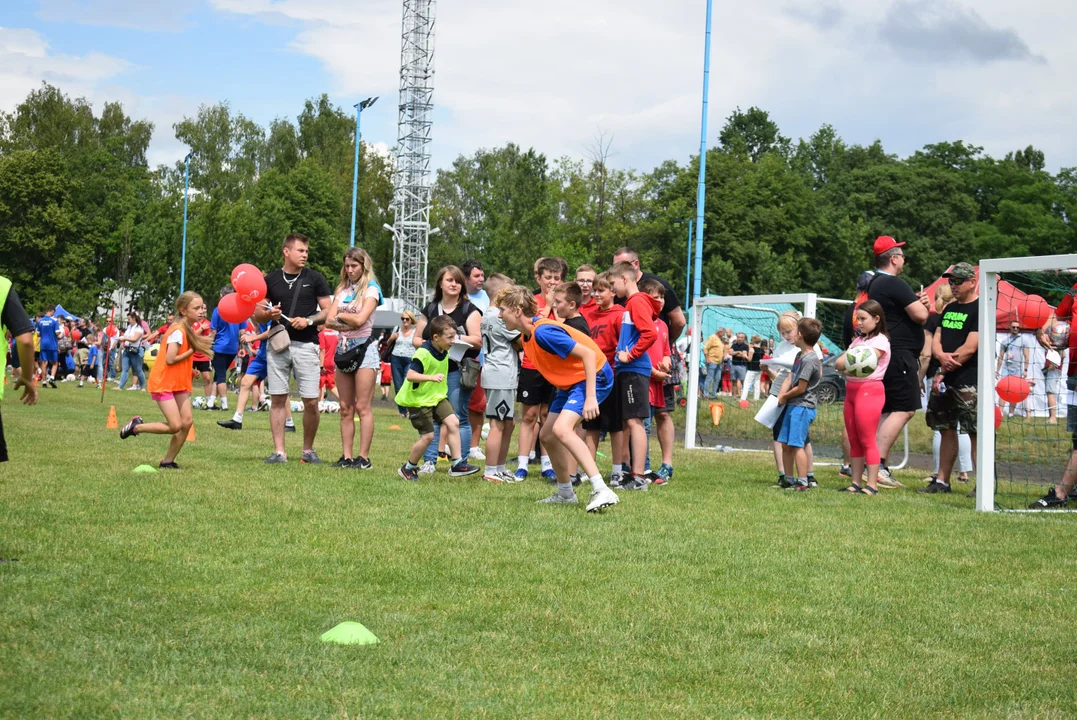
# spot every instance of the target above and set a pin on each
(82, 214)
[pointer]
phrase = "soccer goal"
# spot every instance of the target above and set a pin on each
(737, 429)
(1024, 443)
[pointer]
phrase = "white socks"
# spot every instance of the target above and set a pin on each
(522, 460)
(238, 417)
(597, 483)
(211, 401)
(546, 464)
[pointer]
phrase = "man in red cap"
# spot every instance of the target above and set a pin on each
(905, 315)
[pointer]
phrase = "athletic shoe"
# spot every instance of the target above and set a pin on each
(428, 468)
(508, 477)
(886, 479)
(650, 476)
(812, 482)
(493, 476)
(129, 429)
(462, 469)
(557, 499)
(1048, 501)
(362, 463)
(133, 388)
(476, 453)
(343, 462)
(52, 384)
(276, 459)
(603, 498)
(549, 475)
(801, 487)
(289, 428)
(80, 383)
(665, 471)
(443, 456)
(407, 473)
(309, 457)
(931, 478)
(230, 424)
(520, 474)
(577, 479)
(934, 487)
(846, 470)
(786, 482)
(616, 481)
(168, 466)
(635, 482)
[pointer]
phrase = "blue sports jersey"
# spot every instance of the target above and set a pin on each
(262, 327)
(554, 339)
(46, 327)
(226, 341)
(92, 359)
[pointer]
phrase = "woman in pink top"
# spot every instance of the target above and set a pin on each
(864, 398)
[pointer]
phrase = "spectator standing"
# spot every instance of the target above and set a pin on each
(225, 348)
(905, 314)
(48, 330)
(298, 299)
(1013, 358)
(476, 294)
(741, 354)
(671, 313)
(131, 352)
(713, 353)
(402, 352)
(751, 379)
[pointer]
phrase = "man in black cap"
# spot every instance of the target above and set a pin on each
(905, 315)
(952, 407)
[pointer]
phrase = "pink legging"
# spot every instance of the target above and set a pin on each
(863, 407)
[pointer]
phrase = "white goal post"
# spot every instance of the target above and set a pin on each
(987, 358)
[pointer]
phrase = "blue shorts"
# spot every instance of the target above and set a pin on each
(795, 426)
(49, 356)
(257, 367)
(573, 398)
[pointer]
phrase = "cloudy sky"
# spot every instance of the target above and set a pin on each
(556, 74)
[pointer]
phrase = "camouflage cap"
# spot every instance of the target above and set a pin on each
(961, 271)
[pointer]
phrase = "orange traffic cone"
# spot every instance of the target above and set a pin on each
(716, 409)
(394, 427)
(111, 424)
(190, 434)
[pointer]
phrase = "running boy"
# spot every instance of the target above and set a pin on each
(575, 365)
(425, 393)
(634, 366)
(799, 394)
(499, 378)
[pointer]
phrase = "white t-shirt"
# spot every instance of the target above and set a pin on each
(347, 302)
(176, 338)
(1012, 349)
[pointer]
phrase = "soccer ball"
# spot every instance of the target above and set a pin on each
(198, 403)
(1059, 335)
(297, 406)
(485, 430)
(860, 361)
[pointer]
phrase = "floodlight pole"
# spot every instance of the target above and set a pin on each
(688, 264)
(186, 194)
(359, 108)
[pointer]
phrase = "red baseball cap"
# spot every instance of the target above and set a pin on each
(885, 243)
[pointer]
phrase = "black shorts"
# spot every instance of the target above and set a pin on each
(609, 413)
(201, 366)
(221, 361)
(671, 402)
(88, 371)
(635, 392)
(3, 443)
(533, 389)
(902, 383)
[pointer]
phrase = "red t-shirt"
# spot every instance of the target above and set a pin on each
(525, 363)
(203, 328)
(1064, 311)
(327, 341)
(606, 329)
(656, 352)
(386, 373)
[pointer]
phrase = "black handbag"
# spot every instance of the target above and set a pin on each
(349, 360)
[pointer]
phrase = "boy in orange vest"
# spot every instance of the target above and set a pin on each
(574, 364)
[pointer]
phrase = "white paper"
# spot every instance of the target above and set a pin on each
(458, 349)
(768, 414)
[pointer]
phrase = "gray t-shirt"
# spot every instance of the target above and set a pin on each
(502, 368)
(807, 367)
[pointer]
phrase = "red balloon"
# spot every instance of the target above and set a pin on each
(998, 417)
(1033, 311)
(1013, 389)
(249, 284)
(232, 309)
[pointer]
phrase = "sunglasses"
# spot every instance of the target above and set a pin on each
(405, 318)
(954, 282)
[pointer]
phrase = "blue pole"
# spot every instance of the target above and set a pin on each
(186, 193)
(701, 197)
(688, 267)
(355, 177)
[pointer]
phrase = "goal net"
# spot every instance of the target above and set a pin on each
(1024, 438)
(737, 429)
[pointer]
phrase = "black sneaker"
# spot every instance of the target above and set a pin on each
(168, 466)
(650, 477)
(411, 474)
(577, 479)
(230, 424)
(785, 482)
(812, 482)
(935, 486)
(129, 429)
(846, 471)
(361, 463)
(289, 428)
(1048, 501)
(462, 469)
(634, 482)
(343, 462)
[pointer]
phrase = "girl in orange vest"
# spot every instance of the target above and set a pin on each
(170, 381)
(574, 364)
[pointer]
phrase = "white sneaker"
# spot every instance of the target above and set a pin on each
(558, 499)
(493, 476)
(602, 499)
(428, 468)
(507, 477)
(476, 453)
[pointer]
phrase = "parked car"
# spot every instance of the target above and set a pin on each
(832, 386)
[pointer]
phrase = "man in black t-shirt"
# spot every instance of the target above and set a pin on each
(905, 315)
(742, 353)
(305, 290)
(953, 398)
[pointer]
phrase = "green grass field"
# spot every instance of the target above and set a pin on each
(203, 593)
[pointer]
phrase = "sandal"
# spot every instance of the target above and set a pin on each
(853, 488)
(868, 490)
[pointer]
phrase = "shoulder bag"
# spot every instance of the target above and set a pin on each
(279, 340)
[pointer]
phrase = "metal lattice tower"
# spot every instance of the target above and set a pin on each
(411, 195)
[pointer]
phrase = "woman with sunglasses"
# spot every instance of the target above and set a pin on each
(357, 361)
(402, 352)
